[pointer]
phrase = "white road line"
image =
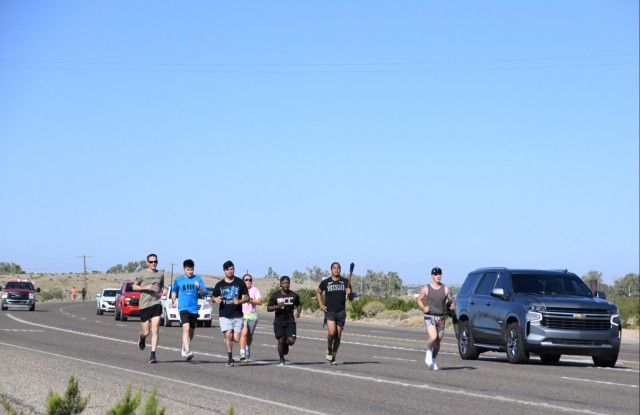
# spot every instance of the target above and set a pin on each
(601, 381)
(393, 358)
(174, 380)
(504, 399)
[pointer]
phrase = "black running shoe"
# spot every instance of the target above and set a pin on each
(281, 363)
(152, 358)
(142, 342)
(286, 349)
(231, 363)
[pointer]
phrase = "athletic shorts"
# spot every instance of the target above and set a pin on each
(284, 329)
(148, 313)
(437, 321)
(339, 317)
(233, 324)
(190, 318)
(251, 325)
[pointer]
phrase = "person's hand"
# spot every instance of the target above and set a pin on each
(323, 307)
(426, 309)
(348, 290)
(298, 314)
(217, 299)
(173, 303)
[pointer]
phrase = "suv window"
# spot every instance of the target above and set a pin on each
(129, 288)
(19, 286)
(110, 293)
(469, 283)
(487, 284)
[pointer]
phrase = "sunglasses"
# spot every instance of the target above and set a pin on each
(248, 279)
(152, 262)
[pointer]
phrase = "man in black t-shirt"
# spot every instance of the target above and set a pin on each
(336, 289)
(230, 292)
(283, 302)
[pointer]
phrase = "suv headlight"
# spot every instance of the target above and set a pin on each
(32, 296)
(536, 308)
(613, 309)
(206, 306)
(5, 295)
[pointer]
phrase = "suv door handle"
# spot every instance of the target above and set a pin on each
(489, 303)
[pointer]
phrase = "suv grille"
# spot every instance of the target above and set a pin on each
(578, 319)
(135, 301)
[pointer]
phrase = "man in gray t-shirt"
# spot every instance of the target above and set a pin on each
(150, 284)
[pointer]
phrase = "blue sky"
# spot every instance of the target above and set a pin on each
(396, 135)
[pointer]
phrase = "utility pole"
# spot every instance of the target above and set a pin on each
(84, 258)
(172, 264)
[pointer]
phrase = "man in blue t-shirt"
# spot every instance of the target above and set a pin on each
(187, 287)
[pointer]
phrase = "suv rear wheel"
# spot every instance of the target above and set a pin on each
(515, 345)
(466, 348)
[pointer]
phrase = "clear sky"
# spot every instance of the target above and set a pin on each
(396, 135)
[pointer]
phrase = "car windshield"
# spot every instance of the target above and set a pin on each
(20, 285)
(129, 288)
(110, 293)
(548, 284)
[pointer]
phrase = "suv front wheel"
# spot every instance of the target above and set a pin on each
(515, 345)
(609, 361)
(466, 348)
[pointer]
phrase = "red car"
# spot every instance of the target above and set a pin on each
(127, 302)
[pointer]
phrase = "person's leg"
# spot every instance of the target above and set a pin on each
(336, 339)
(244, 337)
(228, 338)
(186, 337)
(332, 331)
(155, 329)
(144, 329)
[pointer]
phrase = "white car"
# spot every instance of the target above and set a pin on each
(171, 315)
(105, 300)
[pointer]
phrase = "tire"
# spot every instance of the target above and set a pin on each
(515, 345)
(100, 312)
(33, 308)
(167, 320)
(123, 316)
(466, 347)
(207, 323)
(116, 315)
(4, 308)
(609, 361)
(162, 321)
(550, 359)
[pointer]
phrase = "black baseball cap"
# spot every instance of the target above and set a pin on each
(285, 277)
(436, 271)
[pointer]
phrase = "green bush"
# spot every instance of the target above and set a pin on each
(54, 294)
(629, 310)
(400, 303)
(72, 403)
(372, 308)
(307, 298)
(390, 315)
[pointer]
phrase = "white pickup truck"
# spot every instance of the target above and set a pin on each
(105, 300)
(171, 315)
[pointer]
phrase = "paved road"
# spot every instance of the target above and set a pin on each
(381, 371)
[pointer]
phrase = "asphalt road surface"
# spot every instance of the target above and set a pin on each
(381, 370)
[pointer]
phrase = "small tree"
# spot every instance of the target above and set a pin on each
(72, 403)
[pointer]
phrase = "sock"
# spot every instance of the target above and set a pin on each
(230, 355)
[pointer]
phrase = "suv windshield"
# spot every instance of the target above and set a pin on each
(544, 284)
(110, 293)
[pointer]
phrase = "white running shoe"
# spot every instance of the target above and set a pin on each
(434, 366)
(243, 355)
(189, 356)
(428, 359)
(184, 353)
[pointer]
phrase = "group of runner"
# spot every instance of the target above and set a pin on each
(238, 300)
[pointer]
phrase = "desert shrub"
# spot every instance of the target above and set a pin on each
(372, 308)
(54, 294)
(629, 310)
(71, 403)
(390, 315)
(413, 312)
(128, 406)
(400, 303)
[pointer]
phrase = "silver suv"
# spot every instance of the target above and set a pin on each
(546, 312)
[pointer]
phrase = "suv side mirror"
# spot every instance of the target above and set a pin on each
(600, 294)
(498, 292)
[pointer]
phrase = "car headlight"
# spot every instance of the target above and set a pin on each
(4, 295)
(206, 306)
(536, 308)
(32, 296)
(613, 309)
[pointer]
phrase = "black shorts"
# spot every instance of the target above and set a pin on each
(339, 317)
(187, 317)
(148, 313)
(284, 329)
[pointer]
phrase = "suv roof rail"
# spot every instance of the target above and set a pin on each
(566, 271)
(486, 268)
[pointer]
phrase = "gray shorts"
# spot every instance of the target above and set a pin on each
(251, 325)
(233, 324)
(437, 321)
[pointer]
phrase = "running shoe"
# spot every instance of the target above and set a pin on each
(281, 363)
(434, 366)
(231, 363)
(142, 342)
(329, 355)
(243, 355)
(152, 358)
(189, 355)
(184, 353)
(428, 359)
(333, 361)
(247, 352)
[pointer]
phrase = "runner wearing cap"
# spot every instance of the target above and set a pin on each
(432, 300)
(283, 302)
